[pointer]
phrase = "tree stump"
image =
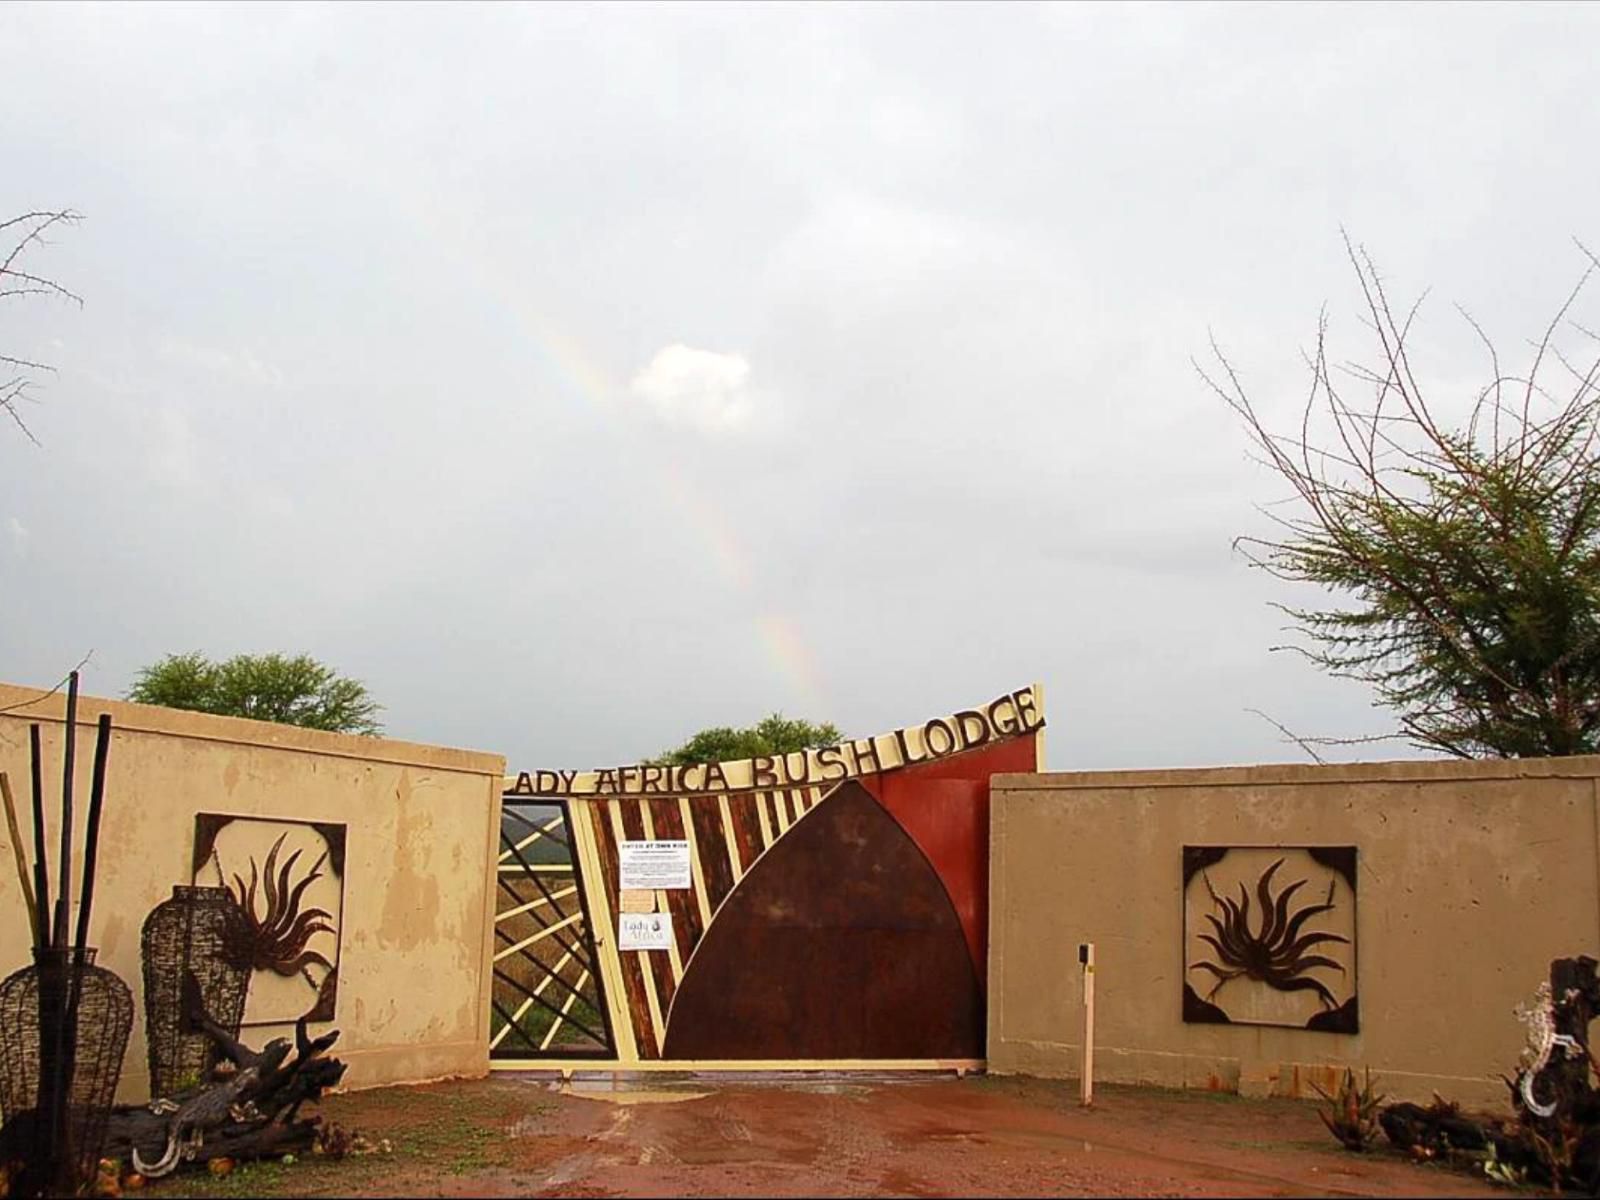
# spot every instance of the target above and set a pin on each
(249, 1112)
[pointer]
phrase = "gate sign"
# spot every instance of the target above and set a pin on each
(1014, 715)
(654, 865)
(645, 931)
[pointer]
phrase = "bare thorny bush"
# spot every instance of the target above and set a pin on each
(20, 376)
(1467, 555)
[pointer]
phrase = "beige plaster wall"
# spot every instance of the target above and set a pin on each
(1472, 877)
(422, 829)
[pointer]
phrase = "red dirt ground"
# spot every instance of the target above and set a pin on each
(833, 1137)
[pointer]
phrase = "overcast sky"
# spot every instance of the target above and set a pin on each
(578, 377)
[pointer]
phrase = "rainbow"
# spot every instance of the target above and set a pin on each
(780, 639)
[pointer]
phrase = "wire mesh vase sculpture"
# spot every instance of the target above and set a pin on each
(197, 931)
(98, 1040)
(64, 1021)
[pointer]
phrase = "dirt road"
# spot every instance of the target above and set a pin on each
(834, 1137)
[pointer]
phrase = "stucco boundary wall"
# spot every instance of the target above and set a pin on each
(1472, 876)
(419, 880)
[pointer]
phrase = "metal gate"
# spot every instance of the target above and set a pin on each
(549, 999)
(805, 911)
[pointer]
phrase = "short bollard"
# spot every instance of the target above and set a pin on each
(1086, 960)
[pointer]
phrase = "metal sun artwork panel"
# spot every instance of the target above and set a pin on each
(1269, 936)
(287, 878)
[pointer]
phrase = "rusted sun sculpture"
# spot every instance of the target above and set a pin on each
(277, 939)
(1276, 953)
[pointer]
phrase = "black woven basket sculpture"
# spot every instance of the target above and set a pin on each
(99, 1039)
(197, 931)
(64, 1022)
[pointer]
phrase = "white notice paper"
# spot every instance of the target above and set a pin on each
(645, 931)
(654, 865)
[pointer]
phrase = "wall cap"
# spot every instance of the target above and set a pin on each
(1583, 766)
(24, 704)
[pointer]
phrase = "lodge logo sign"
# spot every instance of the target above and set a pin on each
(1015, 714)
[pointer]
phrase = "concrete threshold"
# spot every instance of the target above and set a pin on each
(601, 1081)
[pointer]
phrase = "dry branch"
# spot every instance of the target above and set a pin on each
(27, 232)
(249, 1112)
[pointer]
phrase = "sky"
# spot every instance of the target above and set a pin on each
(582, 376)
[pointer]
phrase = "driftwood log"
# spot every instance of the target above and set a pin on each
(1554, 1136)
(250, 1111)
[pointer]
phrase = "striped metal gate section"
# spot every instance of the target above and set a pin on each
(549, 997)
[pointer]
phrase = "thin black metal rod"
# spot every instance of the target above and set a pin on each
(91, 835)
(555, 908)
(64, 1064)
(527, 867)
(543, 1003)
(504, 1015)
(539, 826)
(41, 865)
(568, 947)
(68, 754)
(66, 1034)
(552, 972)
(579, 1052)
(91, 844)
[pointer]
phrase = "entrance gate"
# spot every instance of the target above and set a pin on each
(826, 909)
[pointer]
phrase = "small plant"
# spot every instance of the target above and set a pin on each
(187, 1082)
(337, 1142)
(1352, 1113)
(334, 1140)
(1503, 1172)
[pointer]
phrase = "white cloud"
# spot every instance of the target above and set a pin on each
(239, 365)
(701, 389)
(18, 533)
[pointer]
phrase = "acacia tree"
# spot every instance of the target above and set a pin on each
(262, 687)
(1466, 554)
(19, 375)
(773, 734)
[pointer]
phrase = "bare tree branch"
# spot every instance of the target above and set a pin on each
(32, 700)
(1293, 737)
(27, 232)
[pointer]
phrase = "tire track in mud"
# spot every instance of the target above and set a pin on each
(847, 1146)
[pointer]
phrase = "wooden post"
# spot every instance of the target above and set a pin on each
(1086, 958)
(41, 865)
(15, 833)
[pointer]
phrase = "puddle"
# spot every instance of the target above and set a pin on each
(626, 1094)
(624, 1087)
